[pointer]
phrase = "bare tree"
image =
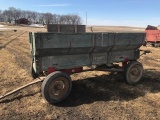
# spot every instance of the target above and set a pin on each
(41, 18)
(1, 16)
(48, 18)
(63, 19)
(27, 14)
(75, 19)
(8, 16)
(57, 20)
(24, 14)
(15, 13)
(35, 17)
(70, 19)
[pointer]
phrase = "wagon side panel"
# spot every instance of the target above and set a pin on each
(153, 35)
(64, 51)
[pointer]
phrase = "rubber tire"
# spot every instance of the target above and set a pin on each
(127, 70)
(50, 78)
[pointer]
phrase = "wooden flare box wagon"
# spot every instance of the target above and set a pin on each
(58, 55)
(153, 37)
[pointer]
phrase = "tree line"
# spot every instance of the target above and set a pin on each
(13, 14)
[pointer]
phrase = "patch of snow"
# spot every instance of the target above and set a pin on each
(1, 25)
(7, 28)
(136, 29)
(36, 25)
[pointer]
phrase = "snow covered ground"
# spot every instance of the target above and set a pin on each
(5, 27)
(36, 25)
(1, 26)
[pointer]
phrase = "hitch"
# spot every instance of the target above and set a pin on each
(145, 52)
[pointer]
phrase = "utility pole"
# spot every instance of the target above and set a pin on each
(86, 18)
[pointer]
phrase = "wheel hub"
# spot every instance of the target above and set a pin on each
(58, 86)
(135, 73)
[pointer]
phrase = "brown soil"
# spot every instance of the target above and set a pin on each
(95, 95)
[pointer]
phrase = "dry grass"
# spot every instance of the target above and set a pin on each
(95, 95)
(113, 29)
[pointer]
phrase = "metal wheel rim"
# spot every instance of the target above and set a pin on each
(135, 73)
(58, 88)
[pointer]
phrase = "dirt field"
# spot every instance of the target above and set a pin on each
(95, 95)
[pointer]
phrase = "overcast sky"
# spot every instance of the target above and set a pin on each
(100, 12)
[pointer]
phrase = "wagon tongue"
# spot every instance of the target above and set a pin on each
(145, 52)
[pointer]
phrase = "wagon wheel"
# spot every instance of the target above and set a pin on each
(56, 87)
(133, 72)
